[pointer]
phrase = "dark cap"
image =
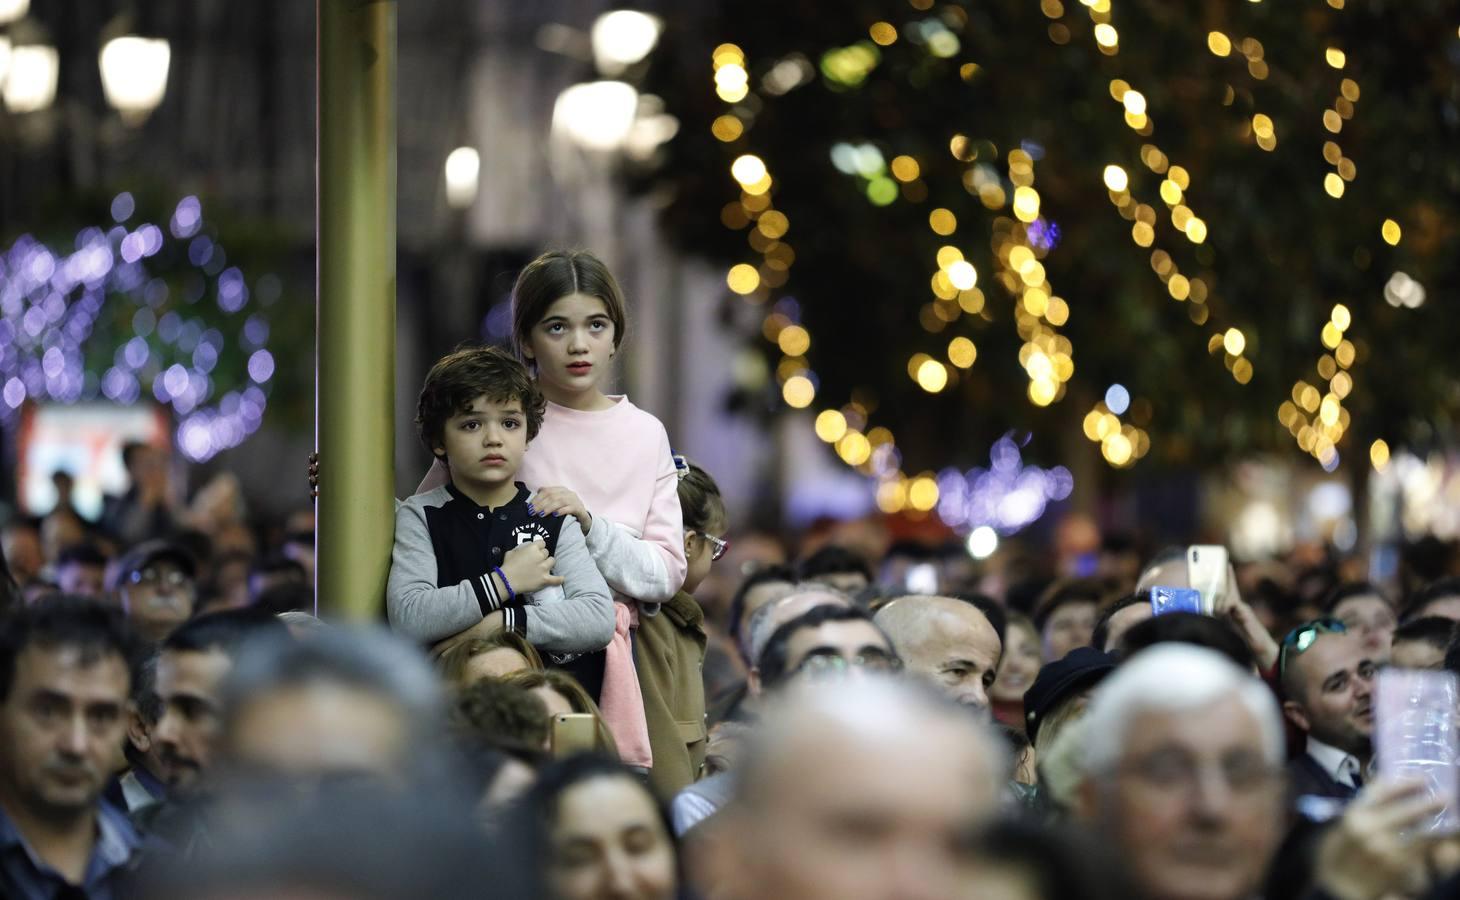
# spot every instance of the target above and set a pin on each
(148, 552)
(1081, 668)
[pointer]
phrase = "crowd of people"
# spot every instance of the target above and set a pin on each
(583, 691)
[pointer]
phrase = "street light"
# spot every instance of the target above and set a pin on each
(31, 84)
(596, 115)
(463, 171)
(13, 10)
(134, 74)
(622, 37)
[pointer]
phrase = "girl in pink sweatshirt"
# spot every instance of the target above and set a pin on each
(601, 460)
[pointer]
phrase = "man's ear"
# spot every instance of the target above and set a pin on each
(138, 733)
(1295, 713)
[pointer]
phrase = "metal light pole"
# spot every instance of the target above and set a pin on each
(355, 324)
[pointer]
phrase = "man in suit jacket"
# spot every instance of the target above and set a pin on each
(1327, 682)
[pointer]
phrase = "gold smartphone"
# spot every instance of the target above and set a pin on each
(573, 733)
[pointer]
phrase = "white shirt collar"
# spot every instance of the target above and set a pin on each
(1341, 766)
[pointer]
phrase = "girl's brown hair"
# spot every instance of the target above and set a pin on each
(699, 497)
(577, 697)
(452, 664)
(555, 275)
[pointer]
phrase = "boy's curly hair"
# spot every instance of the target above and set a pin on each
(466, 374)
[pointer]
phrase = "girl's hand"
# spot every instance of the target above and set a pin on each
(554, 501)
(529, 568)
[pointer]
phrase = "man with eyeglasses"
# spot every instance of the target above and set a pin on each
(155, 584)
(825, 643)
(1326, 677)
(1181, 771)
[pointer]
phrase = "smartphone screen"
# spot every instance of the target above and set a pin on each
(1206, 572)
(921, 579)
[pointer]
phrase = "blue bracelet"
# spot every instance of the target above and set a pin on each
(511, 594)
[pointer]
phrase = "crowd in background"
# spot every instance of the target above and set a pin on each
(590, 690)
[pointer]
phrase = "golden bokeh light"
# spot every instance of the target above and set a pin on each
(794, 340)
(932, 376)
(962, 352)
(1116, 178)
(831, 425)
(727, 128)
(798, 391)
(1234, 341)
(743, 279)
(922, 493)
(942, 221)
(1391, 232)
(748, 170)
(1379, 454)
(1219, 43)
(883, 34)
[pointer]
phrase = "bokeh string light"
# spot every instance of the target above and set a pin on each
(1315, 415)
(144, 287)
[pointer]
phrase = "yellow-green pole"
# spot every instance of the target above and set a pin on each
(355, 324)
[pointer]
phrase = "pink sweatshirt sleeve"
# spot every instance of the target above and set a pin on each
(650, 567)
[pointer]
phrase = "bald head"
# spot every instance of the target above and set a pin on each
(860, 790)
(949, 642)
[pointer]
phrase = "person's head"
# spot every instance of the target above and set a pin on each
(1421, 643)
(1117, 618)
(814, 814)
(822, 642)
(287, 598)
(477, 411)
(568, 321)
(1065, 616)
(504, 653)
(837, 566)
(599, 834)
(1182, 757)
(561, 694)
(81, 571)
(1061, 692)
(273, 571)
(773, 615)
(1441, 598)
(191, 666)
(140, 459)
(506, 716)
(65, 681)
(948, 642)
(20, 542)
(1327, 682)
(705, 522)
(155, 582)
(146, 711)
(347, 701)
(1020, 662)
(64, 483)
(759, 588)
(1188, 628)
(1364, 611)
(1016, 859)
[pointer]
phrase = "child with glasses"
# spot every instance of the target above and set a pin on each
(674, 692)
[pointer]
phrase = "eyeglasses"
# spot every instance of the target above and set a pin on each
(830, 664)
(1301, 638)
(1170, 772)
(159, 577)
(720, 544)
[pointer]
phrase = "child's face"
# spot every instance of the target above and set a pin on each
(484, 444)
(699, 555)
(572, 345)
